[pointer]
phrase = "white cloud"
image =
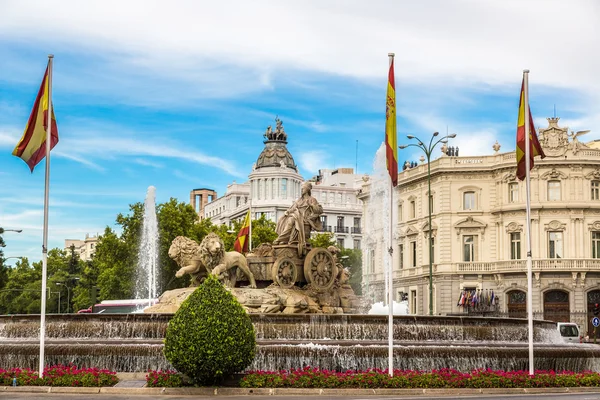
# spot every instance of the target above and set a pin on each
(148, 163)
(233, 47)
(312, 161)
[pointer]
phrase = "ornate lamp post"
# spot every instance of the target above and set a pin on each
(2, 230)
(428, 149)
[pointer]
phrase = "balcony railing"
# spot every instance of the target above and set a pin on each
(546, 264)
(341, 229)
(356, 229)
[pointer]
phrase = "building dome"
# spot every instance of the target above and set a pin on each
(275, 153)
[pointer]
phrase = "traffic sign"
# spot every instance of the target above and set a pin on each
(596, 321)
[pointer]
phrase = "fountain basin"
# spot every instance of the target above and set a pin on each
(133, 342)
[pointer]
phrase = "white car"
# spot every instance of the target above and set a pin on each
(569, 331)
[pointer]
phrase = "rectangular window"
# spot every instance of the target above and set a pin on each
(356, 244)
(555, 245)
(513, 192)
(340, 243)
(469, 200)
(413, 209)
(595, 190)
(260, 188)
(340, 221)
(401, 255)
(432, 253)
(324, 222)
(553, 190)
(357, 222)
(400, 213)
(372, 260)
(595, 244)
(284, 188)
(413, 301)
(413, 254)
(430, 204)
(515, 246)
(469, 248)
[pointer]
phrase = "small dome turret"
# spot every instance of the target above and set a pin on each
(275, 153)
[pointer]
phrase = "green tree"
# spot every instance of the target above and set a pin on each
(211, 336)
(263, 231)
(115, 266)
(353, 262)
(324, 240)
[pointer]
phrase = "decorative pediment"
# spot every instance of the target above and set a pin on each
(595, 174)
(554, 139)
(410, 231)
(555, 226)
(554, 174)
(511, 176)
(425, 229)
(514, 227)
(470, 225)
(595, 226)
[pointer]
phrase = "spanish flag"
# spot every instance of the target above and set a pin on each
(391, 142)
(535, 149)
(32, 146)
(242, 240)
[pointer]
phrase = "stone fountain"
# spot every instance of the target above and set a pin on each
(133, 342)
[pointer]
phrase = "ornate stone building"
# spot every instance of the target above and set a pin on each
(84, 248)
(275, 183)
(478, 233)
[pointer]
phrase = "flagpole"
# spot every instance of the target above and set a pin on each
(390, 269)
(250, 230)
(528, 217)
(45, 235)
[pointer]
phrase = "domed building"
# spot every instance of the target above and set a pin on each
(275, 183)
(477, 233)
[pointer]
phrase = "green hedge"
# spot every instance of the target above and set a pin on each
(211, 335)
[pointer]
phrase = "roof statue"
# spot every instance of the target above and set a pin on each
(275, 153)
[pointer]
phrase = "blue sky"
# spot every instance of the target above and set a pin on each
(178, 94)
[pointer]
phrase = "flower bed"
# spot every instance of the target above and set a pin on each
(167, 378)
(444, 378)
(59, 375)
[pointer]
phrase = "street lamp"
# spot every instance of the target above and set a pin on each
(8, 258)
(2, 230)
(68, 292)
(428, 150)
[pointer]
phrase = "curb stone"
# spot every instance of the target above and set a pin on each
(224, 391)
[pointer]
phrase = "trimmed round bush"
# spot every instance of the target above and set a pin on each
(211, 336)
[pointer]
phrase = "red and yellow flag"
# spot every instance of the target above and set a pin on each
(242, 240)
(535, 149)
(391, 141)
(32, 146)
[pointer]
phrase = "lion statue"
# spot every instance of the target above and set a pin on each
(208, 257)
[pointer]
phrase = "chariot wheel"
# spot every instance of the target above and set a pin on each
(319, 269)
(285, 272)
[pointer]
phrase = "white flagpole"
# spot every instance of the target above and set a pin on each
(390, 269)
(528, 216)
(45, 236)
(250, 230)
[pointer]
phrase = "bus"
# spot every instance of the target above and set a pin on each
(127, 306)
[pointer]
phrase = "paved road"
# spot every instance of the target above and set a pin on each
(56, 396)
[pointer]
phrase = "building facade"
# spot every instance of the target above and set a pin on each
(477, 234)
(84, 248)
(275, 183)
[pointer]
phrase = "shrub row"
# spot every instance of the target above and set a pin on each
(59, 375)
(444, 378)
